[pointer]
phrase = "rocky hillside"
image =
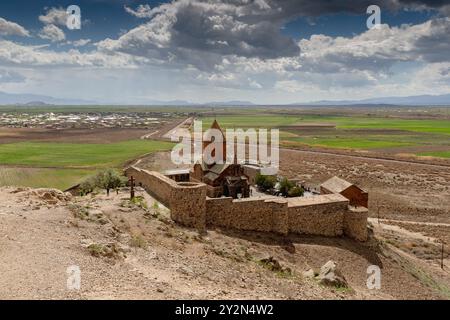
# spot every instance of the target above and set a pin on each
(130, 250)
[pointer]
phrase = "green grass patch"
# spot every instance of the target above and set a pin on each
(354, 122)
(77, 155)
(426, 126)
(350, 143)
(439, 154)
(42, 177)
(251, 121)
(352, 132)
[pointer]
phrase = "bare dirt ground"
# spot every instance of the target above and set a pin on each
(99, 135)
(410, 198)
(400, 190)
(133, 250)
(402, 154)
(397, 190)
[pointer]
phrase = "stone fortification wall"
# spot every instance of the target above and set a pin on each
(320, 215)
(260, 214)
(326, 215)
(355, 223)
(186, 200)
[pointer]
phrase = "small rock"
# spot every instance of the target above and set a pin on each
(258, 255)
(289, 247)
(309, 273)
(19, 189)
(329, 275)
(86, 242)
(185, 270)
(96, 212)
(47, 196)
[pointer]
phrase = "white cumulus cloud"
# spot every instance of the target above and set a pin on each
(55, 16)
(8, 28)
(52, 33)
(142, 11)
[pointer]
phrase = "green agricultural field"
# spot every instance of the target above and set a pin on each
(439, 154)
(345, 132)
(62, 165)
(427, 126)
(42, 177)
(76, 155)
(353, 122)
(350, 143)
(252, 121)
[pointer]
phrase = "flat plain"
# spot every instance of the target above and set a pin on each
(421, 136)
(42, 147)
(86, 138)
(398, 154)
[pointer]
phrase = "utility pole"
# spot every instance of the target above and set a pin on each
(131, 188)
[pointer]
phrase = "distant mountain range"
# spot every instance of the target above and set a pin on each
(40, 100)
(37, 99)
(408, 101)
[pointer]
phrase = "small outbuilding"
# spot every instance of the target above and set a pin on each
(357, 196)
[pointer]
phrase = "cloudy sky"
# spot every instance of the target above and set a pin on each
(264, 51)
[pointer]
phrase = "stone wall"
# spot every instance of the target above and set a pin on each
(264, 214)
(325, 215)
(186, 200)
(355, 223)
(318, 215)
(157, 185)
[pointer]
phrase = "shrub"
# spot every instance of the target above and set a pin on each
(140, 202)
(260, 179)
(87, 186)
(265, 183)
(79, 211)
(95, 249)
(285, 186)
(138, 241)
(296, 192)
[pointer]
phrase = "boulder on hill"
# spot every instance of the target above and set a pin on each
(50, 196)
(329, 275)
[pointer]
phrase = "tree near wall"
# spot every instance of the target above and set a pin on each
(109, 179)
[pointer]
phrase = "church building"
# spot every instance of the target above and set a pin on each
(221, 179)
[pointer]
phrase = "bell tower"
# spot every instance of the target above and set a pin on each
(207, 142)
